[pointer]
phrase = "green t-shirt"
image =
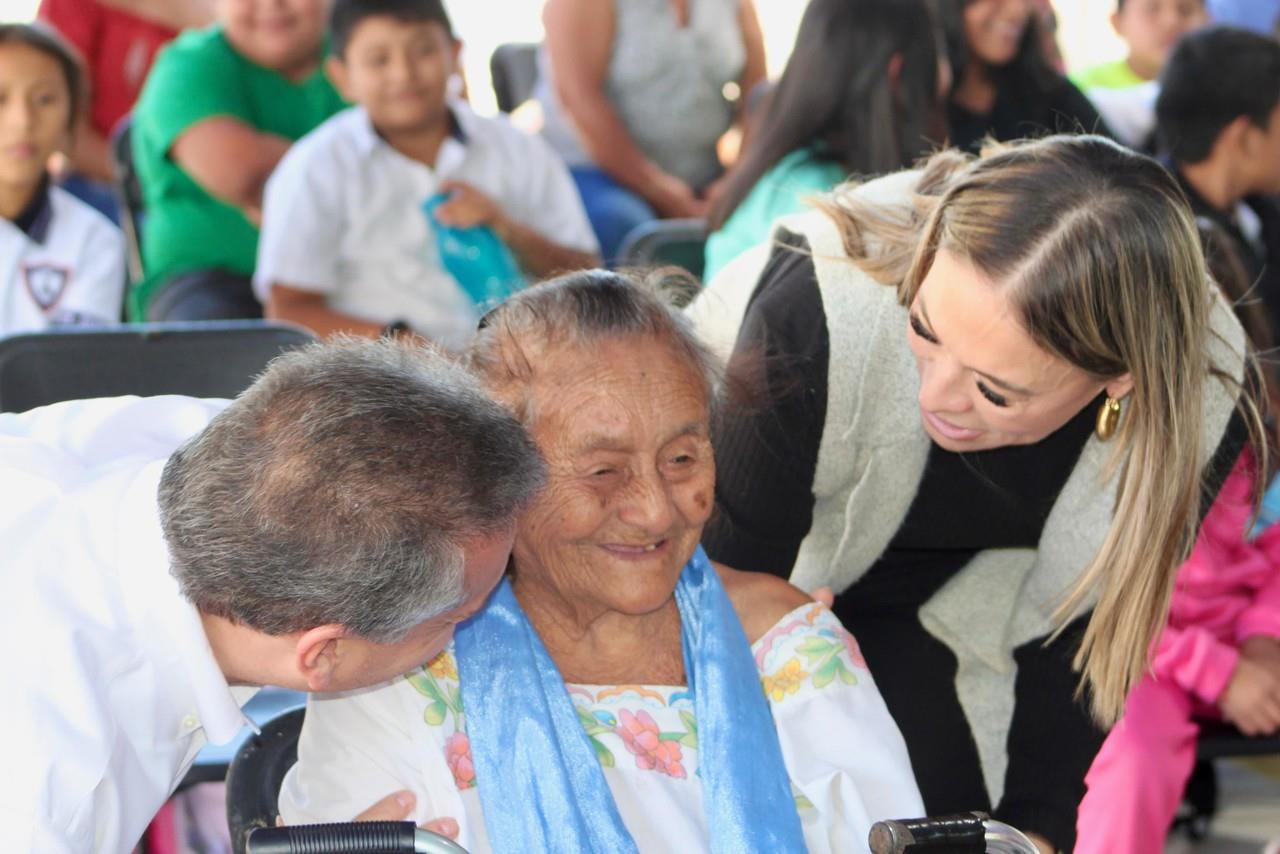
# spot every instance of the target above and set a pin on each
(198, 76)
(1108, 75)
(780, 191)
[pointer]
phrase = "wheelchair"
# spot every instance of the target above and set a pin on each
(971, 833)
(260, 765)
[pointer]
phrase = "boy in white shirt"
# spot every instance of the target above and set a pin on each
(61, 262)
(346, 245)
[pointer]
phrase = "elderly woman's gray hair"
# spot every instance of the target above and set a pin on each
(341, 488)
(582, 308)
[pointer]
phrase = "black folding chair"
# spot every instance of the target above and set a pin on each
(255, 775)
(1217, 740)
(209, 359)
(128, 195)
(513, 68)
(679, 242)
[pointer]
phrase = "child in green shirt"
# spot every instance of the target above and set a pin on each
(1151, 28)
(218, 111)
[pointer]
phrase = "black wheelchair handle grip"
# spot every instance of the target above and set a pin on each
(364, 837)
(955, 834)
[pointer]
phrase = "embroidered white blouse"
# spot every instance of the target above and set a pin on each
(846, 759)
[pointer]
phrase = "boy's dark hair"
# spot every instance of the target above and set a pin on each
(1213, 77)
(347, 15)
(45, 39)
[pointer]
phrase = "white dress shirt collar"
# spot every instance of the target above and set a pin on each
(215, 706)
(453, 150)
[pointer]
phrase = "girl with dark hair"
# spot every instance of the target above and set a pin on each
(861, 95)
(62, 261)
(1005, 87)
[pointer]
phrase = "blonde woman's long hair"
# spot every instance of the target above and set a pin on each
(1098, 253)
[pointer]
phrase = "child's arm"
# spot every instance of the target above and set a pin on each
(537, 254)
(311, 309)
(229, 159)
(1196, 661)
(1252, 698)
(303, 220)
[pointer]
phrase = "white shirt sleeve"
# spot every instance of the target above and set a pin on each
(847, 760)
(545, 197)
(303, 221)
(355, 749)
(20, 832)
(95, 295)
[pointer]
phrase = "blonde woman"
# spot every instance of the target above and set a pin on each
(1001, 390)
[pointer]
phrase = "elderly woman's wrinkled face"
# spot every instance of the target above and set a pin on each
(624, 427)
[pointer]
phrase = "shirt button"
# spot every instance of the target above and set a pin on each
(189, 723)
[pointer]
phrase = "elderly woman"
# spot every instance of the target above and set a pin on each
(608, 696)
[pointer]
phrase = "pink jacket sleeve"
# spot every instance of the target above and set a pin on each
(1262, 617)
(1195, 661)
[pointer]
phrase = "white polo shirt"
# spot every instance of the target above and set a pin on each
(62, 263)
(342, 216)
(110, 685)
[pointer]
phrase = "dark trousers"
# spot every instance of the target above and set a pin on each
(206, 295)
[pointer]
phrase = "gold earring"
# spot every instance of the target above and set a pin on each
(1108, 418)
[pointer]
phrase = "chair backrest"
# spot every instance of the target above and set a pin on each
(210, 359)
(681, 242)
(513, 67)
(128, 194)
(256, 773)
(1219, 740)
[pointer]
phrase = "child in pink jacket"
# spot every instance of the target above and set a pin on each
(1218, 657)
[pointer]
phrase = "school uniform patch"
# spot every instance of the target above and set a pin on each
(46, 283)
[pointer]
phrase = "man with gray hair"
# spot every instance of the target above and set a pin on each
(161, 556)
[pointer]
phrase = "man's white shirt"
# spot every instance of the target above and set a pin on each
(342, 216)
(111, 685)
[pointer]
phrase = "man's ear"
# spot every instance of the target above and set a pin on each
(317, 655)
(336, 70)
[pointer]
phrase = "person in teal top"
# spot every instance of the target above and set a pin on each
(861, 95)
(218, 111)
(1150, 28)
(782, 190)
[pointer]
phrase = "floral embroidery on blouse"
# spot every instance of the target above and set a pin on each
(785, 681)
(438, 683)
(808, 650)
(652, 749)
(811, 633)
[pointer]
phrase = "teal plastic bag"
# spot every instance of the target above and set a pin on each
(476, 257)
